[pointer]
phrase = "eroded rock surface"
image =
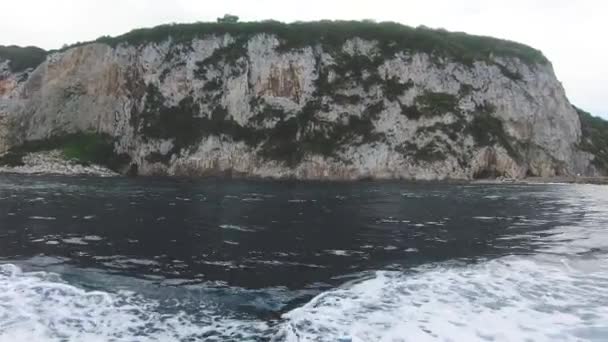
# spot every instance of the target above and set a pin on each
(221, 103)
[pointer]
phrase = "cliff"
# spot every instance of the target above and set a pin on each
(327, 100)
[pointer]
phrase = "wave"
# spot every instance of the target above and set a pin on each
(40, 306)
(540, 298)
(508, 299)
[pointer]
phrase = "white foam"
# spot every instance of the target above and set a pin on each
(485, 218)
(509, 299)
(235, 227)
(284, 263)
(252, 199)
(226, 264)
(43, 218)
(37, 199)
(391, 220)
(39, 306)
(338, 252)
(74, 241)
(140, 262)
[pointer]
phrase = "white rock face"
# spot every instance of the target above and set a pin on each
(222, 105)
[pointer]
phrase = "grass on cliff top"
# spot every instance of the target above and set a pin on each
(22, 58)
(81, 148)
(594, 138)
(393, 37)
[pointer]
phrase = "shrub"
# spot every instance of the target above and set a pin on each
(228, 18)
(465, 90)
(229, 54)
(87, 148)
(305, 134)
(266, 112)
(435, 104)
(393, 88)
(411, 112)
(12, 159)
(430, 152)
(183, 123)
(215, 84)
(392, 37)
(179, 123)
(346, 99)
(594, 138)
(22, 58)
(452, 130)
(83, 148)
(513, 75)
(488, 130)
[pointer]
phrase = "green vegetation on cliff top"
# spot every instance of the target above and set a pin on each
(22, 58)
(392, 37)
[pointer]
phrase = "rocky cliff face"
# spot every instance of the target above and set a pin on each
(253, 105)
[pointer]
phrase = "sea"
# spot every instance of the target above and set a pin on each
(152, 259)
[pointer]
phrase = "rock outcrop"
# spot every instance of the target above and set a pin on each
(53, 162)
(202, 99)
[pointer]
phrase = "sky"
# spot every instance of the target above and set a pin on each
(571, 33)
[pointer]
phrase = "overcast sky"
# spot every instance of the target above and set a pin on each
(571, 33)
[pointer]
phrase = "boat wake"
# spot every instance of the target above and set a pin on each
(514, 298)
(508, 299)
(40, 306)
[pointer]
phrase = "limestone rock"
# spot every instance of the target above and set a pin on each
(222, 104)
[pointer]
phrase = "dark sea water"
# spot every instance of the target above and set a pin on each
(89, 259)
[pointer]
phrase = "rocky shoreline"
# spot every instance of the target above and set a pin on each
(53, 162)
(546, 180)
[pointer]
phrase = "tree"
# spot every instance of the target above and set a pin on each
(228, 18)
